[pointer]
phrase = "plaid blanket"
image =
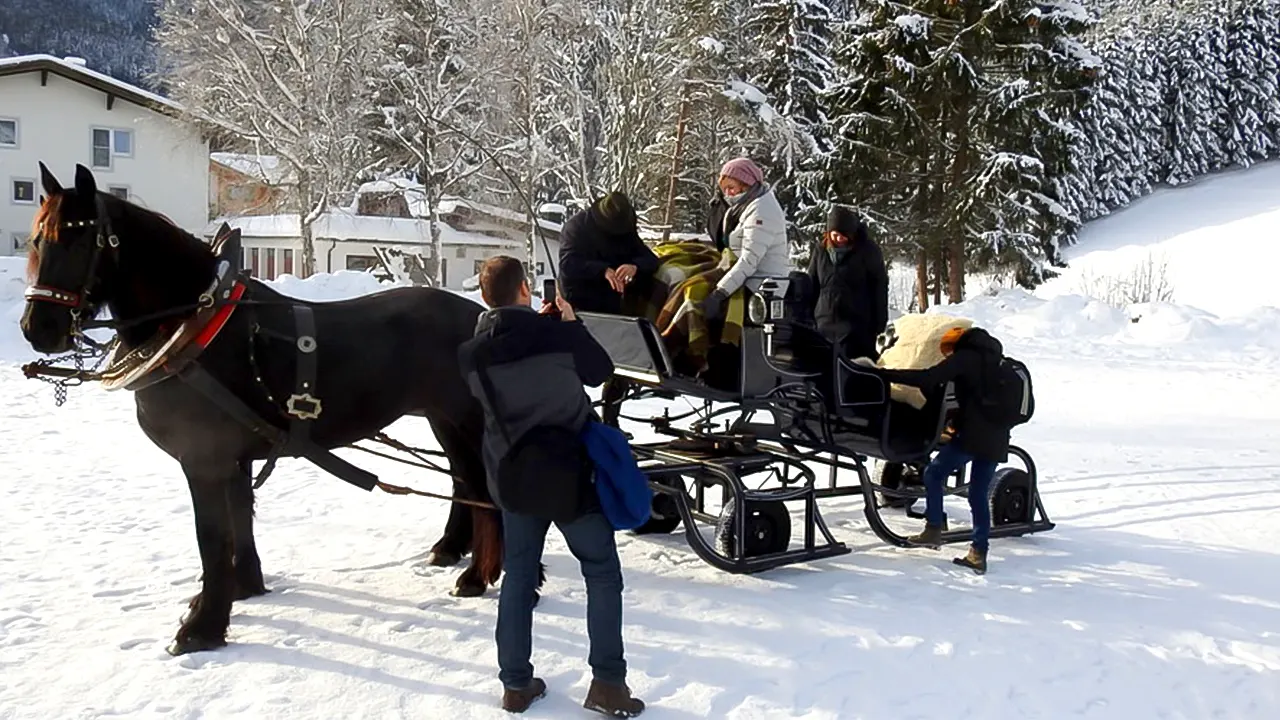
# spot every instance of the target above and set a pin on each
(688, 273)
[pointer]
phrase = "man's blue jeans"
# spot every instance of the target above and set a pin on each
(590, 539)
(948, 460)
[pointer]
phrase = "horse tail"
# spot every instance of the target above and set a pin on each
(487, 536)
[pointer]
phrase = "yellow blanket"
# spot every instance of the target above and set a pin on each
(918, 346)
(688, 273)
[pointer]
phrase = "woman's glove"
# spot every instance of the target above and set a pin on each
(713, 304)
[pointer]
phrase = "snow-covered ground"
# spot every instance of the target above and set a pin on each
(1157, 596)
(1216, 238)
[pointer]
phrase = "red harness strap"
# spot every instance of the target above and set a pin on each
(219, 319)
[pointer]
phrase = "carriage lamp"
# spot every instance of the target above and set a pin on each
(766, 305)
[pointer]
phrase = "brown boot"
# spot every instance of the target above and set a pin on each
(615, 700)
(931, 537)
(976, 560)
(519, 700)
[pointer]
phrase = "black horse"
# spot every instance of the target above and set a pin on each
(373, 360)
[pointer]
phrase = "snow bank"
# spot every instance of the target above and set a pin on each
(1080, 321)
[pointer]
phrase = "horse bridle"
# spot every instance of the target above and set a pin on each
(78, 301)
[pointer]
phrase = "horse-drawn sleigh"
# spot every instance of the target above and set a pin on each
(226, 371)
(793, 406)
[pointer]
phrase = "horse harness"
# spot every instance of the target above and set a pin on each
(176, 355)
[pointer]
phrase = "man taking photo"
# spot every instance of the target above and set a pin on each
(528, 370)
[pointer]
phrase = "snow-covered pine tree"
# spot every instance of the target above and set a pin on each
(1037, 77)
(1253, 63)
(289, 84)
(885, 143)
(706, 46)
(793, 68)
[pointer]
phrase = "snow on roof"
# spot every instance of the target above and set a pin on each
(266, 168)
(346, 226)
(415, 195)
(75, 69)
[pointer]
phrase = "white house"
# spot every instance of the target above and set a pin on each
(59, 112)
(344, 240)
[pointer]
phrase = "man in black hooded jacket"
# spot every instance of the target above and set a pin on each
(852, 284)
(972, 362)
(602, 258)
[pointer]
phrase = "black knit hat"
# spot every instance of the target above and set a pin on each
(615, 214)
(845, 221)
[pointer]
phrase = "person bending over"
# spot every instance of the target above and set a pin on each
(972, 361)
(603, 259)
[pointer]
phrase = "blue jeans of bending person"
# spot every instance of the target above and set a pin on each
(949, 460)
(590, 539)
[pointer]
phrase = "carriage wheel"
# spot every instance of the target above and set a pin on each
(664, 513)
(895, 475)
(768, 528)
(1010, 497)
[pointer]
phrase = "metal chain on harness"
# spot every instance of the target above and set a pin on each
(39, 369)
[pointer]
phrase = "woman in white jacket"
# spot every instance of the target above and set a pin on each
(753, 226)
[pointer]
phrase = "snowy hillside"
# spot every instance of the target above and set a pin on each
(1157, 595)
(1217, 238)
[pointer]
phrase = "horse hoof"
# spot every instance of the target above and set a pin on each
(191, 645)
(467, 591)
(443, 559)
(243, 594)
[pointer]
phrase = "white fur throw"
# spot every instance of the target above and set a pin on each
(918, 346)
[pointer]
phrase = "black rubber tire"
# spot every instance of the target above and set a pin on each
(1010, 497)
(664, 514)
(895, 475)
(768, 529)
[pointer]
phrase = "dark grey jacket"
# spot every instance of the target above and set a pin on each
(537, 365)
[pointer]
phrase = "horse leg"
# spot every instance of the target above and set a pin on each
(205, 627)
(248, 568)
(456, 540)
(463, 451)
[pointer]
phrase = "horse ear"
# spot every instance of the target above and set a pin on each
(49, 182)
(86, 186)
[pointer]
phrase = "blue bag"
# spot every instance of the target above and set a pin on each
(625, 496)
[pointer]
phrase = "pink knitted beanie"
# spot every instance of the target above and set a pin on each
(744, 170)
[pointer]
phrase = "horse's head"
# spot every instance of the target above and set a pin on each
(72, 257)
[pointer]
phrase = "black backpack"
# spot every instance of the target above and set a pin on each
(547, 473)
(1008, 400)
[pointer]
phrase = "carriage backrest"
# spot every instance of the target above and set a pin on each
(633, 344)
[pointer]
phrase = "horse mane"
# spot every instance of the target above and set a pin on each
(48, 222)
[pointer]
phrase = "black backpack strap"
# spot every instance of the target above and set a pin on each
(491, 395)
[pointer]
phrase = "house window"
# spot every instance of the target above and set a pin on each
(119, 191)
(24, 192)
(109, 143)
(271, 265)
(286, 262)
(362, 263)
(8, 133)
(18, 243)
(477, 267)
(460, 253)
(253, 262)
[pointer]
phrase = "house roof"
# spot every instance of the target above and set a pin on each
(345, 226)
(265, 168)
(73, 70)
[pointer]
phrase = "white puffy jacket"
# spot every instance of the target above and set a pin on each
(759, 243)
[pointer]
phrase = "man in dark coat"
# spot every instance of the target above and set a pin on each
(973, 358)
(852, 284)
(602, 258)
(536, 366)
